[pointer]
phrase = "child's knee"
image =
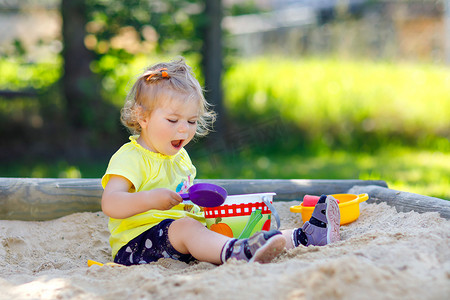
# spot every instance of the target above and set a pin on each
(181, 229)
(186, 223)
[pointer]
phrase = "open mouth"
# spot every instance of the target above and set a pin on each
(177, 143)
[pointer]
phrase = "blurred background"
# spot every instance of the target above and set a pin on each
(314, 89)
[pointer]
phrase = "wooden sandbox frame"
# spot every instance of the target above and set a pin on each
(39, 199)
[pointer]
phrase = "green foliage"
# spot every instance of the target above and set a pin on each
(124, 35)
(164, 26)
(244, 8)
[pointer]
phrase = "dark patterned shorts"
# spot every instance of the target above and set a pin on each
(150, 246)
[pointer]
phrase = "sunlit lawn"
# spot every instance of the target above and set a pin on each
(422, 172)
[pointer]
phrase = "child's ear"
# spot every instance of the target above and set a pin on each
(143, 122)
(142, 117)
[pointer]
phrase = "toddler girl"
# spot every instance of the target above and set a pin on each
(148, 221)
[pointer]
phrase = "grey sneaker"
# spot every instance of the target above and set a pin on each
(323, 227)
(261, 247)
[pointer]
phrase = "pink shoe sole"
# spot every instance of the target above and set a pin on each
(333, 220)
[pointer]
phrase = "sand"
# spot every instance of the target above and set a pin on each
(382, 255)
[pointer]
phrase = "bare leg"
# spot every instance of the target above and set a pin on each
(190, 236)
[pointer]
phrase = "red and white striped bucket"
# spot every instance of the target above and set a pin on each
(241, 215)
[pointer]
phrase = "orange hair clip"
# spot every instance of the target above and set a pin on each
(163, 71)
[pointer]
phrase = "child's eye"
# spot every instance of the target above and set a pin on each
(172, 120)
(192, 122)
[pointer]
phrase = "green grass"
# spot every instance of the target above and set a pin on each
(423, 172)
(17, 75)
(54, 169)
(346, 103)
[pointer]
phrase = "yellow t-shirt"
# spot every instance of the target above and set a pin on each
(147, 170)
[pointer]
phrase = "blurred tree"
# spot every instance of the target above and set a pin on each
(212, 63)
(80, 86)
(95, 31)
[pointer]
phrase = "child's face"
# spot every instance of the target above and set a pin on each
(169, 127)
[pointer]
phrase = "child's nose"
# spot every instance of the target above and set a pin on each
(184, 126)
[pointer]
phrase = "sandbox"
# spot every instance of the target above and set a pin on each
(389, 252)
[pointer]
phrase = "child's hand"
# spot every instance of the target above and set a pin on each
(164, 199)
(119, 203)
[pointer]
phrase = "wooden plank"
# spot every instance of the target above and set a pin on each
(46, 198)
(404, 201)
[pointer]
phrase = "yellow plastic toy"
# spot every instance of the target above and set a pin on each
(90, 263)
(348, 207)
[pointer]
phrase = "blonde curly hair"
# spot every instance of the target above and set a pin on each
(162, 81)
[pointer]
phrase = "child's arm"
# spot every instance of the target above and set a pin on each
(119, 203)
